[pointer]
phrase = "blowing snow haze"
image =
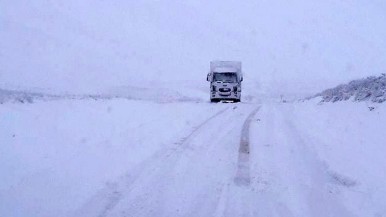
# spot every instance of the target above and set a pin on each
(92, 45)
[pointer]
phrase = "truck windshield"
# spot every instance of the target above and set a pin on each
(228, 77)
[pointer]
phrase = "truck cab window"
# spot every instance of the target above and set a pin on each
(227, 77)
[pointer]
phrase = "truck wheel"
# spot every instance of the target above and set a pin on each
(237, 100)
(214, 100)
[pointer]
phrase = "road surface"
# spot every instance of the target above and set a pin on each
(243, 160)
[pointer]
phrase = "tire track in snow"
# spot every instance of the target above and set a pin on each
(313, 178)
(243, 176)
(166, 190)
(236, 196)
(106, 200)
(197, 128)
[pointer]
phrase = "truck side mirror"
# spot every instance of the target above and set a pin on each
(207, 77)
(241, 79)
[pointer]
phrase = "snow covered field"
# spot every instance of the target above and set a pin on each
(141, 158)
(56, 154)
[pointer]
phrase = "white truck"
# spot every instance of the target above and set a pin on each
(225, 79)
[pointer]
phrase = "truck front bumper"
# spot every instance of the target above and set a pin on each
(216, 95)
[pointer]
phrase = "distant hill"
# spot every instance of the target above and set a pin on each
(24, 96)
(18, 96)
(161, 95)
(367, 89)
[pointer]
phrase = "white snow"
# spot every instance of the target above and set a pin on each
(320, 160)
(142, 158)
(54, 155)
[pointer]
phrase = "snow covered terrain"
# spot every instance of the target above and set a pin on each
(172, 93)
(124, 157)
(56, 154)
(17, 96)
(320, 160)
(370, 89)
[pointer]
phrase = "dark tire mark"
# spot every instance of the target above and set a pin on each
(243, 174)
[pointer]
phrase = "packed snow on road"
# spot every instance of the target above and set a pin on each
(105, 108)
(125, 157)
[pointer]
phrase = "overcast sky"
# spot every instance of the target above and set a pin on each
(89, 45)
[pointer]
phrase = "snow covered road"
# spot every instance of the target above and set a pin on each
(188, 179)
(314, 164)
(119, 158)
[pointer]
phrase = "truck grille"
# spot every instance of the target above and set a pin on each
(224, 89)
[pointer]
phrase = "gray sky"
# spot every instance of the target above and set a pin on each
(89, 45)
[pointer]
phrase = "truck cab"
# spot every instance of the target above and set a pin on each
(225, 81)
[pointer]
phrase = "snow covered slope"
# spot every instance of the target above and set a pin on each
(17, 96)
(369, 89)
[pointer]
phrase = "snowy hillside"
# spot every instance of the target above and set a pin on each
(369, 89)
(21, 96)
